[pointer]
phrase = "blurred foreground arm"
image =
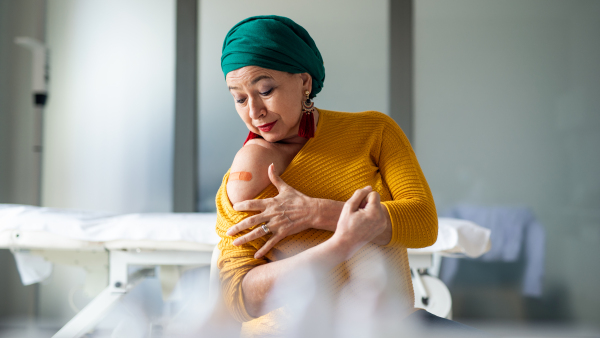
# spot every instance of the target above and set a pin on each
(356, 227)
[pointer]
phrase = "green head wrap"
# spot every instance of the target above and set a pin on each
(273, 42)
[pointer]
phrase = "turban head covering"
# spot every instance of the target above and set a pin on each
(273, 42)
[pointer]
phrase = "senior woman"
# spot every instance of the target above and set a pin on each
(287, 200)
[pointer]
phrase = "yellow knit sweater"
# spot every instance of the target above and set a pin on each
(349, 151)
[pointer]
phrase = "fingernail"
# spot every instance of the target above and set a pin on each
(234, 207)
(235, 243)
(256, 256)
(228, 233)
(368, 187)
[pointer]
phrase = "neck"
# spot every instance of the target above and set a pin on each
(294, 138)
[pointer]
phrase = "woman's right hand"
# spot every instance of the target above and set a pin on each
(362, 219)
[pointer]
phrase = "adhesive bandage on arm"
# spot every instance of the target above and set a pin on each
(240, 175)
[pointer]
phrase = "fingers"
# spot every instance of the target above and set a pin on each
(275, 179)
(363, 204)
(246, 224)
(254, 234)
(373, 201)
(359, 195)
(268, 246)
(251, 205)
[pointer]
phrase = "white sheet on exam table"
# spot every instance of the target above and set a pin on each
(95, 226)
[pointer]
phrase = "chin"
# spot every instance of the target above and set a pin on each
(271, 138)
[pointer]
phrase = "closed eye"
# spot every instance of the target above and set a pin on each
(267, 92)
(240, 100)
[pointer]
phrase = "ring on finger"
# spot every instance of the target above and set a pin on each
(265, 228)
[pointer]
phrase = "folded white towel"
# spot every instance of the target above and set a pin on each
(459, 236)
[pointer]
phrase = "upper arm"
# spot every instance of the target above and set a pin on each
(398, 163)
(253, 158)
(412, 210)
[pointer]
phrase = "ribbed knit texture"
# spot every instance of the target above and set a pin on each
(349, 151)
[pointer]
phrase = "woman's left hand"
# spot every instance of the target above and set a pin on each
(288, 213)
(362, 220)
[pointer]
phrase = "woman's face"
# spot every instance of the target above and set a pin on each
(269, 101)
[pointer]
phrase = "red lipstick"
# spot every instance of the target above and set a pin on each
(267, 127)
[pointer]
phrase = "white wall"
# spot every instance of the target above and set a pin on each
(352, 37)
(109, 127)
(508, 112)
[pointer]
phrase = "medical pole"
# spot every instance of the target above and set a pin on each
(40, 77)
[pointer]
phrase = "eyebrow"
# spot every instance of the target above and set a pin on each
(253, 82)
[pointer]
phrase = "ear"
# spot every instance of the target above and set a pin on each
(306, 82)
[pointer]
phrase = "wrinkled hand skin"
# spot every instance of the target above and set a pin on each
(362, 219)
(286, 214)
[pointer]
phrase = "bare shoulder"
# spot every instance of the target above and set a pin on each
(248, 175)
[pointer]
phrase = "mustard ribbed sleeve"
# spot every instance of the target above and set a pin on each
(349, 151)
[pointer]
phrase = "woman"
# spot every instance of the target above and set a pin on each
(316, 160)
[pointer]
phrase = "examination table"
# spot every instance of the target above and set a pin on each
(106, 245)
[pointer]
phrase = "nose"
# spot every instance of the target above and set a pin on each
(256, 108)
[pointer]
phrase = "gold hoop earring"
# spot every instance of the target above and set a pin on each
(307, 122)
